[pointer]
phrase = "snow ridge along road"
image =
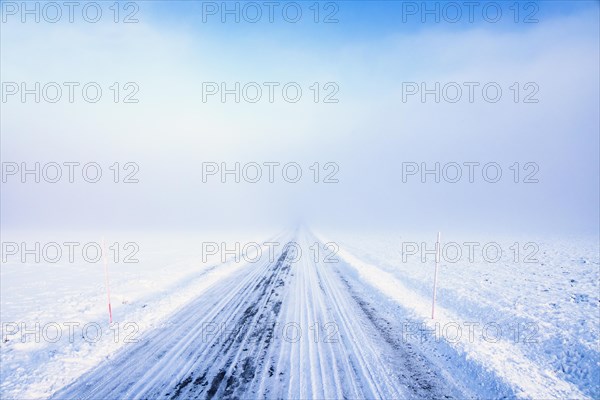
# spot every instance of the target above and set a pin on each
(291, 327)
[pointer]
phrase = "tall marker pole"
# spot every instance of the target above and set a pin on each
(437, 262)
(104, 255)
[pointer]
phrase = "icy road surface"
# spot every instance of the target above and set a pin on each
(277, 329)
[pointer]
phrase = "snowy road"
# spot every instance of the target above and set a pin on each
(283, 328)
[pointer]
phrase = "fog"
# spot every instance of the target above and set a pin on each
(362, 143)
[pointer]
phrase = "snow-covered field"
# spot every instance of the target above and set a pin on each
(294, 324)
(532, 318)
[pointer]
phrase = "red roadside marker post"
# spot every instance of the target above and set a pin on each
(437, 262)
(105, 256)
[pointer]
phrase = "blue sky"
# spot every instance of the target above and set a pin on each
(377, 17)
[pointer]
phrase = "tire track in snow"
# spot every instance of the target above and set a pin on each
(337, 348)
(159, 360)
(236, 359)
